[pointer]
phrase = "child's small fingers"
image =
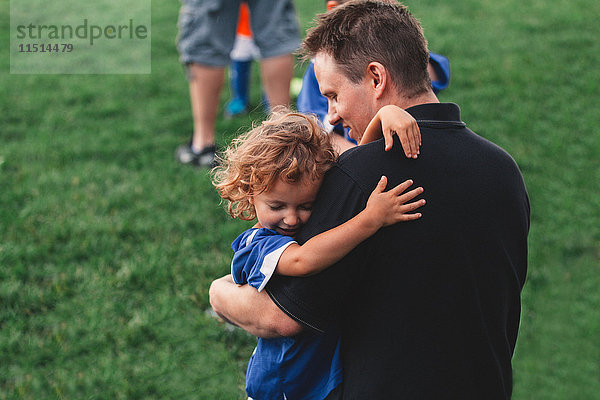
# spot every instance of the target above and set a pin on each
(405, 144)
(414, 147)
(388, 139)
(417, 138)
(410, 217)
(404, 197)
(381, 185)
(410, 143)
(397, 190)
(405, 208)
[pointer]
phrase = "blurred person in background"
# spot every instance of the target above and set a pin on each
(207, 30)
(243, 54)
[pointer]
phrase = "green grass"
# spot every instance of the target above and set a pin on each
(107, 246)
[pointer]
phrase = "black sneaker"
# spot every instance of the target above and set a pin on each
(205, 158)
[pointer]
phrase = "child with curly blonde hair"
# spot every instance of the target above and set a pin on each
(273, 173)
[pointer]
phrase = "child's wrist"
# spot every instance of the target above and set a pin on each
(371, 220)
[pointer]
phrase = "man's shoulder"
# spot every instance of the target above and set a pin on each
(360, 158)
(365, 164)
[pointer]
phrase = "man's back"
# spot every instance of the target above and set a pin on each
(430, 308)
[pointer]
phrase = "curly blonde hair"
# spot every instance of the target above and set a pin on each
(289, 146)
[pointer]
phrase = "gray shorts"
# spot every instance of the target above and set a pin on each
(207, 29)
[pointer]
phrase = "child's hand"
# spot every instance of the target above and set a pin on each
(391, 120)
(387, 208)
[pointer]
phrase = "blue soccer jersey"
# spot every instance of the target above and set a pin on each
(256, 254)
(306, 366)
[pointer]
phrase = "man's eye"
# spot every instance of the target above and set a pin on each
(306, 208)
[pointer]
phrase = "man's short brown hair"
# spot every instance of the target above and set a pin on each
(360, 32)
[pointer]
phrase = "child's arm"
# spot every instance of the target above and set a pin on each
(322, 251)
(391, 120)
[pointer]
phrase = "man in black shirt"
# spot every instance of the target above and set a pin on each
(427, 309)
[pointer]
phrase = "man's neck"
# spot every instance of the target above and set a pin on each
(407, 102)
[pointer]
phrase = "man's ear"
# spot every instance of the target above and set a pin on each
(378, 78)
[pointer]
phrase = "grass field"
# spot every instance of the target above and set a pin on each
(108, 247)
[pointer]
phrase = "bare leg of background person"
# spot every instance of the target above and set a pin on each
(205, 88)
(277, 74)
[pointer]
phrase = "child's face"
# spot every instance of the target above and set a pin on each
(285, 207)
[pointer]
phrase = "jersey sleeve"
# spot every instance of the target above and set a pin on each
(256, 254)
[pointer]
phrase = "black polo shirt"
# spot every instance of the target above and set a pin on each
(428, 309)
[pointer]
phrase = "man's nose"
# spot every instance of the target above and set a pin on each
(332, 116)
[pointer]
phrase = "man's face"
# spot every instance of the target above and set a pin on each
(350, 104)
